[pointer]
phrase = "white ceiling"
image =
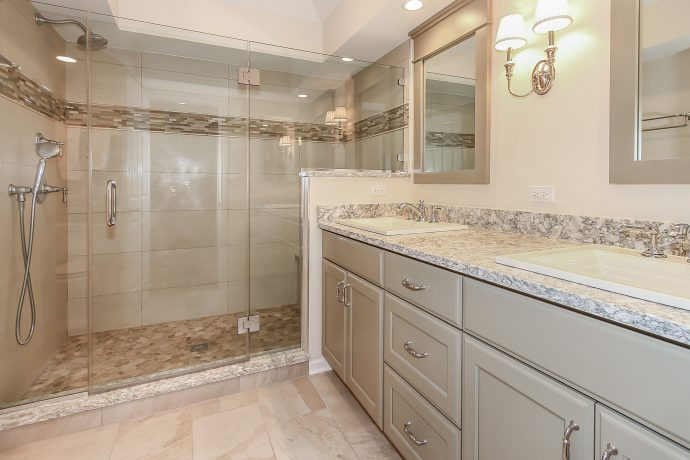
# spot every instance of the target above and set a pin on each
(309, 10)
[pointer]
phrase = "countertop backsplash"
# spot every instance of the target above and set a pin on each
(585, 229)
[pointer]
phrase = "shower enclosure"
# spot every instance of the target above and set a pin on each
(178, 245)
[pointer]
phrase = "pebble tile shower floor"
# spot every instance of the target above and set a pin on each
(122, 356)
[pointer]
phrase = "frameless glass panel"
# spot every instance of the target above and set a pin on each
(168, 125)
(46, 354)
(664, 85)
(450, 108)
(307, 111)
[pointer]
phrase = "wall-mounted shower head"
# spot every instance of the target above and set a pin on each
(47, 148)
(98, 41)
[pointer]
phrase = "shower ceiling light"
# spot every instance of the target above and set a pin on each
(413, 5)
(67, 59)
(302, 96)
(346, 59)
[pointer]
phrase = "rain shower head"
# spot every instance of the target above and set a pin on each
(98, 41)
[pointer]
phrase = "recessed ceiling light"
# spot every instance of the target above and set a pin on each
(182, 103)
(71, 60)
(347, 59)
(413, 5)
(302, 95)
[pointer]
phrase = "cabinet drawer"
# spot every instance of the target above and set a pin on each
(408, 415)
(434, 289)
(646, 377)
(435, 371)
(356, 257)
(631, 440)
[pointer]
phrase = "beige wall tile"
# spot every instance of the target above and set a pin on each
(273, 259)
(187, 65)
(236, 191)
(116, 311)
(238, 227)
(274, 189)
(130, 195)
(164, 90)
(238, 263)
(111, 84)
(176, 304)
(237, 155)
(238, 296)
(184, 267)
(185, 229)
(77, 316)
(116, 273)
(268, 157)
(186, 153)
(275, 225)
(185, 191)
(317, 155)
(274, 291)
(113, 149)
(125, 236)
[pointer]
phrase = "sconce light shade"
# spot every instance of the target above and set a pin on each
(285, 141)
(340, 114)
(551, 15)
(511, 32)
(330, 118)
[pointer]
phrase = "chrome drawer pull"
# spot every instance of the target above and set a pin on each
(412, 437)
(411, 286)
(611, 451)
(408, 348)
(338, 290)
(566, 438)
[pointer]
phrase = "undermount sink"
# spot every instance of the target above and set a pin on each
(390, 226)
(624, 271)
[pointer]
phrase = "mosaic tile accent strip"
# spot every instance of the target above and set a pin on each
(122, 117)
(390, 120)
(124, 355)
(585, 229)
(441, 139)
(19, 88)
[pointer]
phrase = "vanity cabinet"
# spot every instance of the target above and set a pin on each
(353, 321)
(513, 411)
(618, 437)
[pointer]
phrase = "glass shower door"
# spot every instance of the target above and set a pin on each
(168, 129)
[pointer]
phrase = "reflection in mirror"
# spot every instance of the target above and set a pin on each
(664, 86)
(449, 119)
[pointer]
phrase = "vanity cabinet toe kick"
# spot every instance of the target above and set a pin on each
(454, 355)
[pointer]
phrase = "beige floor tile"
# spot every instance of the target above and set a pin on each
(314, 436)
(289, 399)
(93, 445)
(167, 435)
(244, 398)
(238, 434)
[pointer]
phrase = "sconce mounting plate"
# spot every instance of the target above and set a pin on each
(543, 76)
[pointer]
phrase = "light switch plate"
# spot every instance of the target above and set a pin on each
(544, 193)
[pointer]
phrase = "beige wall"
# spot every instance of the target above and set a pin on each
(560, 139)
(34, 49)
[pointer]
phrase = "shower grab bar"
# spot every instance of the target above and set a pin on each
(8, 64)
(111, 203)
(685, 115)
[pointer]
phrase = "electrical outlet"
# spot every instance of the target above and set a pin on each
(377, 189)
(543, 194)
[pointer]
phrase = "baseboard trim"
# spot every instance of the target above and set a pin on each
(318, 366)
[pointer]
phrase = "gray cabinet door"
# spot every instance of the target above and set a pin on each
(334, 318)
(365, 345)
(511, 411)
(627, 440)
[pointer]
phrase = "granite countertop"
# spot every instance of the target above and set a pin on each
(473, 252)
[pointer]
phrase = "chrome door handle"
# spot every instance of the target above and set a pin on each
(611, 451)
(566, 438)
(346, 298)
(338, 290)
(410, 349)
(412, 437)
(111, 203)
(406, 282)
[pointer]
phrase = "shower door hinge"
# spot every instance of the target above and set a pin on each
(249, 76)
(250, 324)
(401, 82)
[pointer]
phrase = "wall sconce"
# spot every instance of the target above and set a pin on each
(285, 141)
(336, 118)
(551, 16)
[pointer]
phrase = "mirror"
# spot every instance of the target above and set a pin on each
(451, 96)
(449, 108)
(650, 92)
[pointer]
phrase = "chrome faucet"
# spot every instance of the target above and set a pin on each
(651, 233)
(679, 232)
(420, 210)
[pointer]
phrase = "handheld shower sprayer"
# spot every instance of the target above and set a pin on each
(46, 149)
